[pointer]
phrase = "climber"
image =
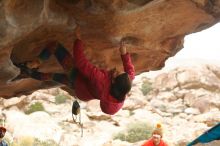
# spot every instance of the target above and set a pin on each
(88, 81)
(156, 138)
(2, 134)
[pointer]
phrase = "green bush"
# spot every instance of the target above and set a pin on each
(25, 141)
(59, 99)
(135, 132)
(37, 106)
(30, 141)
(38, 142)
(1, 121)
(146, 87)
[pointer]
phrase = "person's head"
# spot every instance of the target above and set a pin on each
(120, 86)
(157, 134)
(2, 132)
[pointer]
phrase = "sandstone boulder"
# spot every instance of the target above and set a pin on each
(155, 30)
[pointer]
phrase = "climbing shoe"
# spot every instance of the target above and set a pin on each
(24, 72)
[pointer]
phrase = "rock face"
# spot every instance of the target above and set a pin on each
(154, 29)
(175, 107)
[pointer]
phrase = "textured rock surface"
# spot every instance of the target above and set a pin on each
(179, 127)
(154, 29)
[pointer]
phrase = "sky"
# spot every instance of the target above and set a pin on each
(203, 45)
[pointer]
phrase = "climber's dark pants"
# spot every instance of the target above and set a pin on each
(66, 61)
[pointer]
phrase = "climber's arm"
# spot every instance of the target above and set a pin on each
(126, 60)
(94, 74)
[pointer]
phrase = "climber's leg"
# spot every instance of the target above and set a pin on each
(62, 55)
(25, 72)
(64, 58)
(43, 56)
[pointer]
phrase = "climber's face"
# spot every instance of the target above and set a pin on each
(156, 139)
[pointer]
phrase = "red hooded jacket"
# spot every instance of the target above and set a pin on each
(151, 143)
(94, 83)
